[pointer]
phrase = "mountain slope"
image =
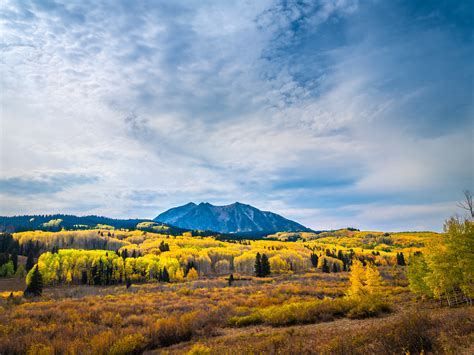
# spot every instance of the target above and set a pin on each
(234, 218)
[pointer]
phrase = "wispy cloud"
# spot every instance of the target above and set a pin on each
(42, 184)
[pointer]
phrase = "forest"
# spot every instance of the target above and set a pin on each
(112, 291)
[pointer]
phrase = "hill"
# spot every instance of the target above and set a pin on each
(57, 222)
(233, 218)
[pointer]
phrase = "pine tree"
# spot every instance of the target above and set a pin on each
(35, 284)
(314, 259)
(325, 267)
(164, 246)
(30, 261)
(335, 267)
(265, 265)
(401, 259)
(14, 259)
(230, 279)
(258, 265)
(165, 276)
(84, 277)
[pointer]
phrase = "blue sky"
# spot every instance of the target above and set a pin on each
(333, 113)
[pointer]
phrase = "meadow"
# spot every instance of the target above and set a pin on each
(132, 291)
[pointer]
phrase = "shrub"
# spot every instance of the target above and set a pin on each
(305, 312)
(410, 334)
(40, 349)
(101, 342)
(243, 321)
(199, 349)
(172, 330)
(129, 344)
(368, 306)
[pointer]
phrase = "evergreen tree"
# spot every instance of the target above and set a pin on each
(258, 265)
(230, 279)
(401, 259)
(35, 285)
(164, 246)
(30, 261)
(335, 267)
(84, 277)
(128, 282)
(325, 267)
(314, 260)
(165, 276)
(14, 259)
(265, 265)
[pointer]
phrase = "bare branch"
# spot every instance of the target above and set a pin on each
(468, 203)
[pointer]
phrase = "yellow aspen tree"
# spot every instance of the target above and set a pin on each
(357, 287)
(373, 280)
(179, 274)
(69, 277)
(192, 274)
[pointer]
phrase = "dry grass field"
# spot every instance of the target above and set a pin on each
(255, 315)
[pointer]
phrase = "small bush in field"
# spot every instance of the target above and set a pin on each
(172, 330)
(130, 344)
(367, 306)
(243, 321)
(101, 342)
(305, 312)
(199, 349)
(411, 334)
(40, 349)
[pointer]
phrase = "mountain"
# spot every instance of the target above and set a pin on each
(234, 218)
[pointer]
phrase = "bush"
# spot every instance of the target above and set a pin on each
(130, 344)
(172, 330)
(243, 321)
(312, 312)
(199, 349)
(367, 306)
(409, 335)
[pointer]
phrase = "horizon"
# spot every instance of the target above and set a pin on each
(222, 205)
(329, 113)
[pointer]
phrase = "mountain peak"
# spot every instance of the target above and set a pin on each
(233, 218)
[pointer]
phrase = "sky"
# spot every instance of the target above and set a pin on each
(333, 113)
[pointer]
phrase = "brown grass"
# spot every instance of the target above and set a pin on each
(100, 320)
